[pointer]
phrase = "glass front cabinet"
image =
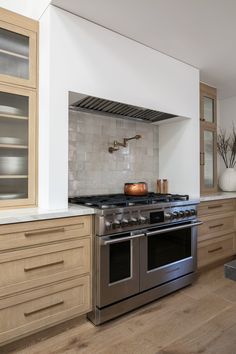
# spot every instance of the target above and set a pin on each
(18, 110)
(17, 55)
(208, 138)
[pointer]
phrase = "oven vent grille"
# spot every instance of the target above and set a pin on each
(106, 107)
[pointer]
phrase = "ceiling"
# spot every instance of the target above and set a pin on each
(198, 32)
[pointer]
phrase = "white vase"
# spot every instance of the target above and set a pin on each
(227, 180)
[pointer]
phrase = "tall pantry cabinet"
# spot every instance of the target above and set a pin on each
(18, 109)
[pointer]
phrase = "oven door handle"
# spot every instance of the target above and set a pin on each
(175, 228)
(121, 239)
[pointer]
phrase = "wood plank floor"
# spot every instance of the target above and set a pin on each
(200, 319)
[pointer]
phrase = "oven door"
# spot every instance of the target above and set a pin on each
(117, 267)
(167, 253)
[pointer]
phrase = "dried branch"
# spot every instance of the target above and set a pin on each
(226, 147)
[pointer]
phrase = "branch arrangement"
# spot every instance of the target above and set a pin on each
(226, 147)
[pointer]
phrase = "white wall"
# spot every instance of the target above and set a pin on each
(227, 112)
(29, 8)
(89, 59)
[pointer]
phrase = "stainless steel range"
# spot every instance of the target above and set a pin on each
(144, 248)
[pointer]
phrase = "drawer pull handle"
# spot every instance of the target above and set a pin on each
(215, 206)
(215, 249)
(43, 232)
(214, 226)
(26, 314)
(26, 269)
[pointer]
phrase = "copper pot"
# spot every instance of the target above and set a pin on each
(136, 189)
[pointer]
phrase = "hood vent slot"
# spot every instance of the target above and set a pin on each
(106, 107)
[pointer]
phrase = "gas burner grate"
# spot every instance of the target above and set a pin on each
(122, 200)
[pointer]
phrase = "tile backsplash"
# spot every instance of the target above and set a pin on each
(93, 170)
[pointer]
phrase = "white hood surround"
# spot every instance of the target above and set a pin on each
(77, 55)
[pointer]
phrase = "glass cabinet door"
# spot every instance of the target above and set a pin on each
(208, 160)
(17, 155)
(209, 109)
(17, 55)
(208, 148)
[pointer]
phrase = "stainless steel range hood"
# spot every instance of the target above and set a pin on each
(102, 106)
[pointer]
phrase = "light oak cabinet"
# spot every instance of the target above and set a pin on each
(208, 138)
(18, 110)
(45, 274)
(18, 49)
(217, 234)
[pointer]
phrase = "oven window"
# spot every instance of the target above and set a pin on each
(120, 260)
(168, 248)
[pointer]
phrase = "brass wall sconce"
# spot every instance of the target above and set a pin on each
(117, 144)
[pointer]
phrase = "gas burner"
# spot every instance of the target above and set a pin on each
(105, 206)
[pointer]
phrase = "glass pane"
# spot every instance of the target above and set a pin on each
(209, 159)
(120, 261)
(209, 109)
(169, 248)
(13, 188)
(14, 54)
(14, 129)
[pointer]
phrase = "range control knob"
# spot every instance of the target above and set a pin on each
(133, 221)
(192, 212)
(187, 213)
(142, 220)
(108, 225)
(175, 215)
(124, 222)
(181, 214)
(116, 224)
(168, 216)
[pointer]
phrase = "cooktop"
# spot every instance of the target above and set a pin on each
(121, 200)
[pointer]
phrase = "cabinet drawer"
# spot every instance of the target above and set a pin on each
(39, 232)
(41, 263)
(216, 207)
(59, 302)
(209, 252)
(218, 226)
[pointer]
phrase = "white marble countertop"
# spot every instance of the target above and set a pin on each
(12, 216)
(217, 196)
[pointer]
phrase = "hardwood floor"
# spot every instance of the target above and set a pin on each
(194, 320)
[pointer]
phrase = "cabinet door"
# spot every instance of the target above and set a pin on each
(17, 146)
(17, 55)
(208, 105)
(208, 148)
(208, 160)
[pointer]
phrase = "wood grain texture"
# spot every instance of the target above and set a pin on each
(197, 319)
(213, 250)
(207, 91)
(20, 268)
(28, 234)
(216, 236)
(45, 274)
(216, 207)
(29, 28)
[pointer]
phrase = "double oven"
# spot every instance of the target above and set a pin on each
(140, 265)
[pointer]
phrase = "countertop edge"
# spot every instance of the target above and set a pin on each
(36, 214)
(217, 196)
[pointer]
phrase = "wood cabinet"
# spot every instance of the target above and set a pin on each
(46, 274)
(18, 109)
(208, 138)
(18, 49)
(217, 234)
